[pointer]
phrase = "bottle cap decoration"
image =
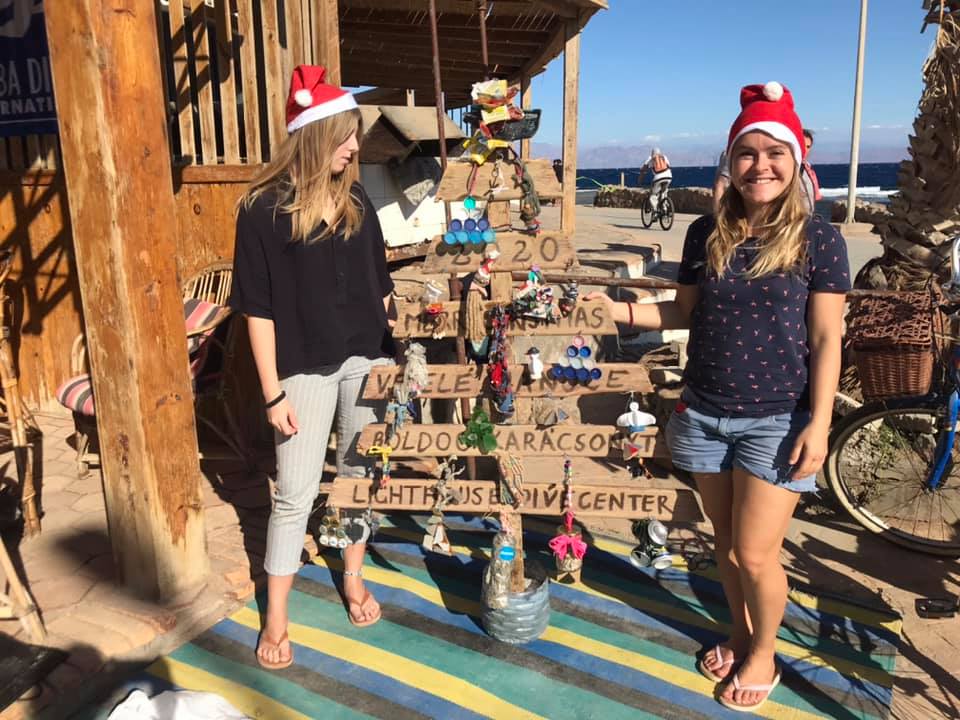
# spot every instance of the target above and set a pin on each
(651, 550)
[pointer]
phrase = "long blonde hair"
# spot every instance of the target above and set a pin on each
(300, 174)
(781, 231)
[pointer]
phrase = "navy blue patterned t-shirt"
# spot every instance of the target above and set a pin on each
(748, 353)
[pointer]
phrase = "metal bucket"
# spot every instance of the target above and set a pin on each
(527, 614)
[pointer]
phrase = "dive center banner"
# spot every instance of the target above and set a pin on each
(26, 88)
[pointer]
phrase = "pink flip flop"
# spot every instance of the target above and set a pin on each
(710, 674)
(767, 689)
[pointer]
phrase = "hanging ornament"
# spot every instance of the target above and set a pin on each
(568, 545)
(635, 420)
(652, 547)
(383, 452)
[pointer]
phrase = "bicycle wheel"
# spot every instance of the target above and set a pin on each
(646, 213)
(666, 213)
(880, 456)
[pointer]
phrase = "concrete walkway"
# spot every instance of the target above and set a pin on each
(70, 570)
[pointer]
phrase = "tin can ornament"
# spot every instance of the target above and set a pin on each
(635, 420)
(652, 548)
(534, 364)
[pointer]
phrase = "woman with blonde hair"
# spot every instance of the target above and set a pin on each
(761, 287)
(310, 275)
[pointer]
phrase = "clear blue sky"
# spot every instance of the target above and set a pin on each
(670, 72)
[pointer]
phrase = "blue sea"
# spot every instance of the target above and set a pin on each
(875, 181)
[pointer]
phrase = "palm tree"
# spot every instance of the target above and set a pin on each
(925, 212)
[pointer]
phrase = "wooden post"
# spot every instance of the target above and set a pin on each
(326, 38)
(571, 83)
(526, 101)
(116, 159)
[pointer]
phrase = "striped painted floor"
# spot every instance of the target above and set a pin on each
(620, 644)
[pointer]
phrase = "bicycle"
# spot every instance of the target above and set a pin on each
(664, 213)
(894, 464)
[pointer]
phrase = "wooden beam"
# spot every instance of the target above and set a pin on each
(571, 109)
(251, 96)
(522, 440)
(326, 38)
(589, 317)
(539, 498)
(457, 381)
(526, 103)
(117, 164)
(501, 8)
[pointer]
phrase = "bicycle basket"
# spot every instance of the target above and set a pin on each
(893, 340)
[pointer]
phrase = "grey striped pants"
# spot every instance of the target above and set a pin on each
(316, 396)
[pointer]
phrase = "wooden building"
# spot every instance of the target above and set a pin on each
(166, 108)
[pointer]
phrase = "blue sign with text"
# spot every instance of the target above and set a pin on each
(26, 88)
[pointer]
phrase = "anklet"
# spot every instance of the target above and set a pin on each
(353, 573)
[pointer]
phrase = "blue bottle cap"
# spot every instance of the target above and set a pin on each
(487, 235)
(583, 375)
(570, 373)
(596, 373)
(584, 352)
(462, 237)
(475, 237)
(483, 224)
(469, 224)
(456, 225)
(572, 351)
(507, 553)
(450, 238)
(470, 203)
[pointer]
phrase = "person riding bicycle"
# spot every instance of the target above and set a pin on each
(659, 165)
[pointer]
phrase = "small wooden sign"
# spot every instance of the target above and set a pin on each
(550, 250)
(479, 496)
(467, 381)
(557, 440)
(454, 184)
(589, 317)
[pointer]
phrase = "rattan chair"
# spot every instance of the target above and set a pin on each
(209, 332)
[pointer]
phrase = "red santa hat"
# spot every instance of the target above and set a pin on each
(312, 99)
(769, 109)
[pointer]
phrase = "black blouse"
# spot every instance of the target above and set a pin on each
(324, 297)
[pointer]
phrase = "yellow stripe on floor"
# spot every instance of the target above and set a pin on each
(245, 699)
(811, 655)
(685, 679)
(409, 672)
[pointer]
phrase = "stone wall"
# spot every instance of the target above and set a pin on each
(693, 201)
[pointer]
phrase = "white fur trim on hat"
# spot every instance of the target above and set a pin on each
(773, 91)
(303, 98)
(318, 112)
(778, 131)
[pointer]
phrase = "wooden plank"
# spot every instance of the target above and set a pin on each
(557, 440)
(133, 313)
(216, 174)
(588, 318)
(549, 250)
(455, 381)
(227, 78)
(526, 103)
(181, 79)
(453, 185)
(35, 156)
(4, 161)
(272, 72)
(571, 109)
(249, 72)
(50, 151)
(482, 497)
(203, 70)
(15, 146)
(326, 38)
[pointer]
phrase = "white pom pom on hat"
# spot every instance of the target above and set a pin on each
(303, 98)
(773, 91)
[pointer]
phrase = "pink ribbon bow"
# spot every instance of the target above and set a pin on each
(564, 545)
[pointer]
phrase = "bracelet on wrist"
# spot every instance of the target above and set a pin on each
(630, 310)
(277, 400)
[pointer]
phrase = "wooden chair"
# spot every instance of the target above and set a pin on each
(206, 317)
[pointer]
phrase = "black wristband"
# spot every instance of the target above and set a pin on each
(277, 400)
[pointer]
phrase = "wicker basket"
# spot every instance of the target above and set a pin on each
(893, 340)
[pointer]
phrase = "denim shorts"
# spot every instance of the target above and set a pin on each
(701, 443)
